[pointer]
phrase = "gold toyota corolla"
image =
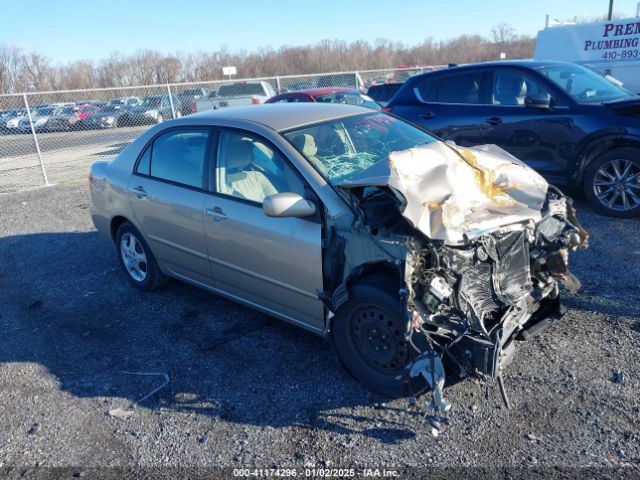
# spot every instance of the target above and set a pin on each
(350, 223)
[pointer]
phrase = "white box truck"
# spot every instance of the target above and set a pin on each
(611, 48)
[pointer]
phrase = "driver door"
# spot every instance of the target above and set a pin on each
(544, 138)
(272, 263)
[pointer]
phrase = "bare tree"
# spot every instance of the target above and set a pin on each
(20, 71)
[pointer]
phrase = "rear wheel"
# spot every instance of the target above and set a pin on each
(368, 333)
(612, 183)
(136, 259)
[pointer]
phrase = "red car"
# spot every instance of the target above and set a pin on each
(83, 111)
(327, 95)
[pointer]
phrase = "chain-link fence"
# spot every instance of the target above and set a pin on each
(53, 137)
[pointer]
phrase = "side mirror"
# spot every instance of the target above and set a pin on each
(287, 205)
(539, 100)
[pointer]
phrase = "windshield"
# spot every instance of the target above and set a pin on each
(151, 101)
(341, 149)
(582, 84)
(42, 112)
(241, 89)
(349, 98)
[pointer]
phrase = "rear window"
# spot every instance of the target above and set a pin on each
(241, 90)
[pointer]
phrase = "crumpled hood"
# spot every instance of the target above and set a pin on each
(453, 192)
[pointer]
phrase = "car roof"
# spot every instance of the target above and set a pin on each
(284, 116)
(534, 64)
(322, 91)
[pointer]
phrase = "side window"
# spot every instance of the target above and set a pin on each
(510, 87)
(144, 165)
(458, 88)
(427, 90)
(178, 156)
(249, 169)
(463, 88)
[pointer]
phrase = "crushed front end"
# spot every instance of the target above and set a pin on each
(482, 243)
(471, 301)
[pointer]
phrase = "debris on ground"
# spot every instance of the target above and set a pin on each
(120, 413)
(618, 377)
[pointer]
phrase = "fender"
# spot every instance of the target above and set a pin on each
(599, 142)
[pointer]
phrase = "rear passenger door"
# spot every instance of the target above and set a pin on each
(167, 196)
(450, 106)
(272, 263)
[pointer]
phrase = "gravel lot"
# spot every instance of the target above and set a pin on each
(245, 389)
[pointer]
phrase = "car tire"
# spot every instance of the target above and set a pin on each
(368, 334)
(612, 183)
(137, 260)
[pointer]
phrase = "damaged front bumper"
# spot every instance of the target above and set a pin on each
(470, 303)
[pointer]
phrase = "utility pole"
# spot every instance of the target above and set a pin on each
(610, 10)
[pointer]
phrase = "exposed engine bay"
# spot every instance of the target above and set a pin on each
(479, 268)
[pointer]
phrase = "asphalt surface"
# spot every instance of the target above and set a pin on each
(12, 145)
(247, 390)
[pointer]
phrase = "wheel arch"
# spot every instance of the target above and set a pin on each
(381, 273)
(115, 225)
(600, 145)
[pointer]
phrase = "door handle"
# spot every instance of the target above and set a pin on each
(428, 115)
(216, 213)
(493, 121)
(139, 191)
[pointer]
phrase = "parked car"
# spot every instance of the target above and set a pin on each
(404, 72)
(154, 109)
(384, 92)
(295, 86)
(124, 102)
(327, 95)
(84, 110)
(107, 117)
(188, 99)
(567, 122)
(9, 120)
(65, 118)
(345, 80)
(328, 216)
(40, 118)
(236, 95)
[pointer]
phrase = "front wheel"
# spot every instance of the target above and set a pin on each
(612, 183)
(369, 336)
(136, 259)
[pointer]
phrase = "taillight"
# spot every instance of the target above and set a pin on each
(255, 101)
(90, 178)
(193, 108)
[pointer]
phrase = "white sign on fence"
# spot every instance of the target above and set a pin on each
(229, 71)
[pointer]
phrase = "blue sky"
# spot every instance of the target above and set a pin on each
(67, 30)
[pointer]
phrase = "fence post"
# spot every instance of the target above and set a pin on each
(355, 74)
(278, 85)
(173, 110)
(35, 139)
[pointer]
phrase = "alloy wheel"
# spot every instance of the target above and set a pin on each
(616, 185)
(133, 257)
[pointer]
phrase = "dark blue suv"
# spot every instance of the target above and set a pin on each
(567, 122)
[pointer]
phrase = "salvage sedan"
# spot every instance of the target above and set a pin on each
(353, 224)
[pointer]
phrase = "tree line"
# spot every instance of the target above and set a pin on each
(22, 71)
